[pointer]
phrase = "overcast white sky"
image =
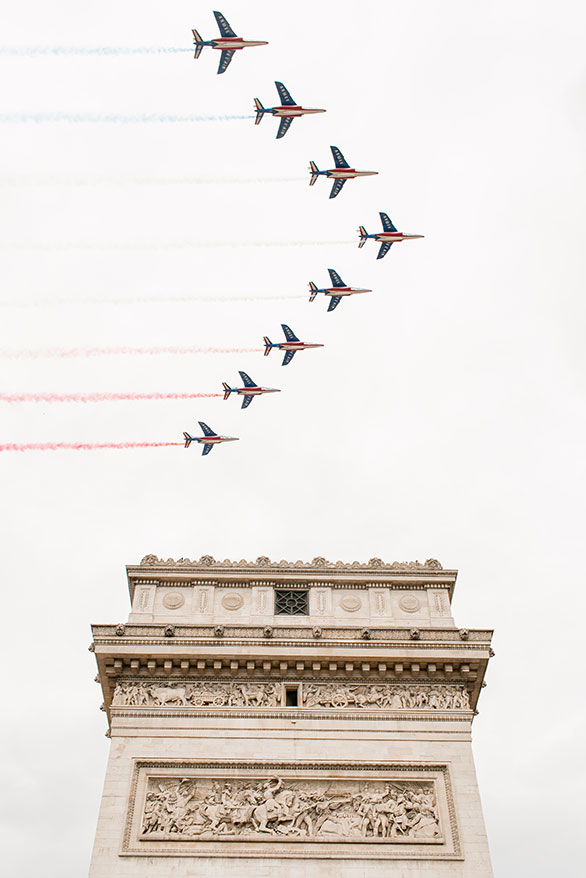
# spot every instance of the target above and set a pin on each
(443, 418)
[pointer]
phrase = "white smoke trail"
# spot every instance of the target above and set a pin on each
(139, 300)
(31, 51)
(46, 180)
(115, 118)
(61, 246)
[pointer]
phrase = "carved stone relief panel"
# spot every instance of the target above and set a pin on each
(439, 603)
(203, 600)
(379, 602)
(232, 601)
(144, 597)
(263, 601)
(320, 602)
(364, 696)
(301, 808)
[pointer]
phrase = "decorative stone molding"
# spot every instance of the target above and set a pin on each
(263, 561)
(300, 809)
(350, 603)
(232, 601)
(368, 697)
(409, 603)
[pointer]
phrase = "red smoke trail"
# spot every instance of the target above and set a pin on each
(62, 353)
(81, 446)
(98, 397)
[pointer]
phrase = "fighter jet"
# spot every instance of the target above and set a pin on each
(340, 173)
(336, 291)
(291, 345)
(228, 43)
(209, 439)
(388, 236)
(287, 111)
(249, 391)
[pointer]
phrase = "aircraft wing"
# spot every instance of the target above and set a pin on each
(284, 126)
(288, 357)
(335, 278)
(336, 188)
(246, 401)
(334, 302)
(387, 224)
(247, 380)
(285, 97)
(225, 29)
(207, 431)
(289, 334)
(207, 448)
(384, 249)
(339, 158)
(225, 59)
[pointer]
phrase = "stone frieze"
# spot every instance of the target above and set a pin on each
(377, 696)
(179, 809)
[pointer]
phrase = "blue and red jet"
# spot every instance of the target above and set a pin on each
(287, 111)
(228, 42)
(291, 345)
(209, 438)
(387, 237)
(249, 391)
(339, 174)
(336, 291)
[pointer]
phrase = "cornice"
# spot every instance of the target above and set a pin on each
(318, 572)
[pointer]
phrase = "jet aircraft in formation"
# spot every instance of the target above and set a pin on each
(336, 291)
(287, 111)
(228, 42)
(388, 236)
(339, 174)
(249, 391)
(291, 345)
(209, 438)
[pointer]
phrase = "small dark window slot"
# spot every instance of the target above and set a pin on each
(291, 697)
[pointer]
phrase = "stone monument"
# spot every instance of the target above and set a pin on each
(295, 719)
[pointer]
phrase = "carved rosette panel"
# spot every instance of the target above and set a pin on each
(364, 696)
(181, 808)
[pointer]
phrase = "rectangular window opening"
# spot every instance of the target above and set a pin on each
(291, 602)
(291, 696)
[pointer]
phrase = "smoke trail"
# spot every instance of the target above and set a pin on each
(30, 51)
(64, 353)
(99, 397)
(62, 246)
(140, 300)
(116, 118)
(81, 446)
(72, 180)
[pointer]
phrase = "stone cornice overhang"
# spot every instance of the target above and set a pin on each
(319, 572)
(197, 652)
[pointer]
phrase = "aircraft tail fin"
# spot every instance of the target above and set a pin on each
(314, 170)
(188, 439)
(363, 236)
(268, 345)
(227, 390)
(260, 111)
(312, 291)
(198, 43)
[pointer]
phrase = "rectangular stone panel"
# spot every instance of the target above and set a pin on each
(363, 810)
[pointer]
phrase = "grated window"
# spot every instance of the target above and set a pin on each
(291, 602)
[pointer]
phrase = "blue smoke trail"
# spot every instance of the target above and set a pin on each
(119, 119)
(30, 51)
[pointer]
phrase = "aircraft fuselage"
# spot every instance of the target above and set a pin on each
(347, 173)
(393, 237)
(214, 440)
(256, 391)
(342, 291)
(292, 111)
(295, 345)
(233, 43)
